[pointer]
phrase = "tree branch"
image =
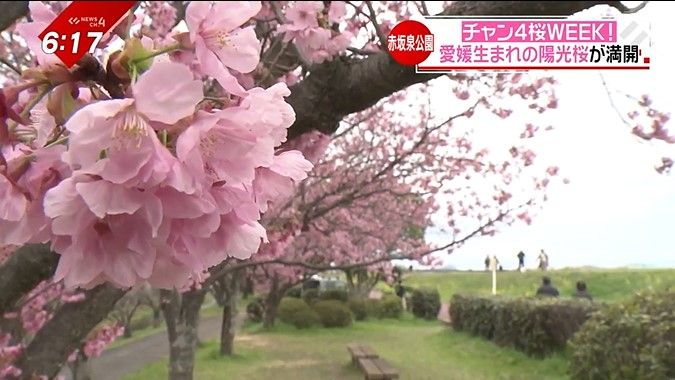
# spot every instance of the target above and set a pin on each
(376, 25)
(345, 86)
(71, 324)
(12, 11)
(23, 271)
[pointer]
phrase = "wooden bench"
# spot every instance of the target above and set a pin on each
(377, 369)
(359, 351)
(374, 367)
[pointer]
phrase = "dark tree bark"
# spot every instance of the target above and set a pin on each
(272, 303)
(156, 317)
(181, 314)
(23, 271)
(228, 327)
(12, 11)
(360, 282)
(81, 368)
(65, 332)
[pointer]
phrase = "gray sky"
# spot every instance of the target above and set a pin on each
(617, 211)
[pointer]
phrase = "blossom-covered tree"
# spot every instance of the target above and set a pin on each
(18, 329)
(155, 158)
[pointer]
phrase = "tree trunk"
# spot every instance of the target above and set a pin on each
(52, 345)
(228, 327)
(272, 303)
(156, 317)
(23, 271)
(81, 368)
(181, 314)
(127, 328)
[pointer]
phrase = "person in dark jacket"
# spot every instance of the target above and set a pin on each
(521, 260)
(546, 289)
(582, 292)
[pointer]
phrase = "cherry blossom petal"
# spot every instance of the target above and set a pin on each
(167, 101)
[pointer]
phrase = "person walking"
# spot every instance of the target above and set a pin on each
(543, 260)
(521, 260)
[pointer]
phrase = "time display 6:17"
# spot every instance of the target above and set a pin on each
(53, 41)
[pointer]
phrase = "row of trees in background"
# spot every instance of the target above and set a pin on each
(302, 150)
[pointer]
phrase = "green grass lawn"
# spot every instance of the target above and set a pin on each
(607, 284)
(419, 349)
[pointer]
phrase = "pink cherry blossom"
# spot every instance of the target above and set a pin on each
(125, 128)
(102, 231)
(42, 16)
(303, 15)
(219, 41)
(337, 11)
(22, 218)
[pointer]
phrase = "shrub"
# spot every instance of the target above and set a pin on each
(255, 309)
(631, 340)
(333, 313)
(335, 294)
(372, 307)
(425, 303)
(389, 307)
(295, 292)
(359, 308)
(296, 312)
(141, 322)
(310, 296)
(536, 327)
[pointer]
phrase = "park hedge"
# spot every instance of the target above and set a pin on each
(297, 312)
(537, 327)
(634, 339)
(333, 313)
(425, 303)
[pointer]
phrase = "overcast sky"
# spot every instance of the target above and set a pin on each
(617, 211)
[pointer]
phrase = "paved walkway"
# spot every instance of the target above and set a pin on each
(131, 357)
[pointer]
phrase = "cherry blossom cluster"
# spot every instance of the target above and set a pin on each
(311, 26)
(162, 182)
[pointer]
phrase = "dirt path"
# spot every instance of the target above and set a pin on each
(444, 313)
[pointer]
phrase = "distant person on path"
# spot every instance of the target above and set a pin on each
(400, 291)
(582, 292)
(521, 260)
(546, 289)
(487, 262)
(543, 260)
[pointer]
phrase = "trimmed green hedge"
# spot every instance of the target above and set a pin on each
(537, 327)
(630, 340)
(334, 294)
(310, 296)
(296, 312)
(295, 292)
(389, 306)
(359, 308)
(425, 303)
(333, 313)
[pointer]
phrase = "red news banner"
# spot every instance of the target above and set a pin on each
(80, 27)
(500, 44)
